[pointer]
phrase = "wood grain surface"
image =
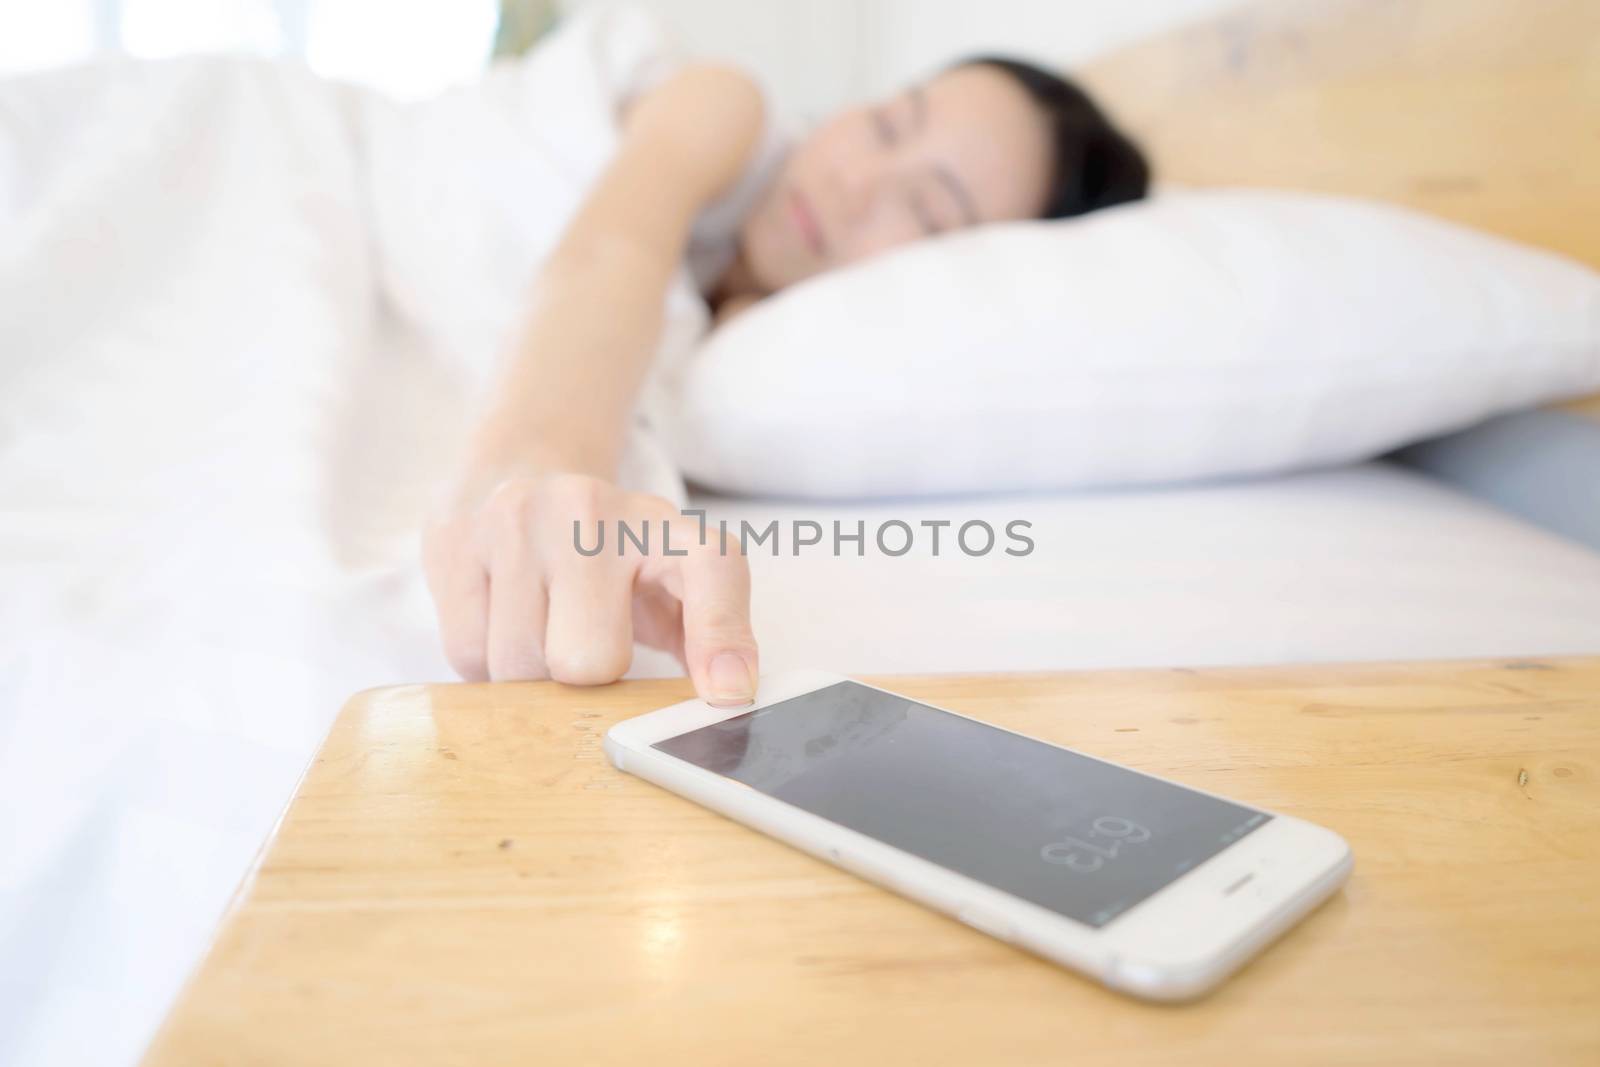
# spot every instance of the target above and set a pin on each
(463, 878)
(1486, 112)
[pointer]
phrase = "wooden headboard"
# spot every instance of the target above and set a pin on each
(1486, 112)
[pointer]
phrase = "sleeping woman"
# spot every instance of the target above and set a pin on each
(988, 140)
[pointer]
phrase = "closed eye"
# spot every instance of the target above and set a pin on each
(888, 136)
(958, 195)
(924, 216)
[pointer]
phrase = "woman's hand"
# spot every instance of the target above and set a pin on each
(517, 600)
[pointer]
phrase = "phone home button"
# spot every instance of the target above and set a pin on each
(987, 922)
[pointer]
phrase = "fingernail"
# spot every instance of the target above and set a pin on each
(730, 680)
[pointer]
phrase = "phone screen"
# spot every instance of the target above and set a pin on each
(1082, 837)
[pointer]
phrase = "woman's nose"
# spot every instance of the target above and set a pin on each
(857, 190)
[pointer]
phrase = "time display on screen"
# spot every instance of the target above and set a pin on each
(1077, 835)
(1102, 843)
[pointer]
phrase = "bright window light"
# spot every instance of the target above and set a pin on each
(35, 36)
(407, 48)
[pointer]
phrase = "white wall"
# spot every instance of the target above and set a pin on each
(808, 51)
(915, 36)
(818, 54)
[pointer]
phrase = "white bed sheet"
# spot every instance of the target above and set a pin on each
(1372, 562)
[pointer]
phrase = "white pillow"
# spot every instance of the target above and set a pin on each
(1196, 335)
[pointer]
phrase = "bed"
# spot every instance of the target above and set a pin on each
(143, 765)
(1478, 111)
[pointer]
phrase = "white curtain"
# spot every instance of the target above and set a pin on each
(408, 48)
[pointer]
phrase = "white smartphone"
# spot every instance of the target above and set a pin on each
(1151, 887)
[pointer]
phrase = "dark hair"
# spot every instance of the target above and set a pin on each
(1095, 165)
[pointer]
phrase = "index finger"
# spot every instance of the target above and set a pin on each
(718, 644)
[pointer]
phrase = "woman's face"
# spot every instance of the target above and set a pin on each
(968, 147)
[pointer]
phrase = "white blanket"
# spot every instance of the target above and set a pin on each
(242, 315)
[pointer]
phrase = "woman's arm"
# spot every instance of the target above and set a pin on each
(515, 598)
(567, 394)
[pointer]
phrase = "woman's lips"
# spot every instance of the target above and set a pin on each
(805, 220)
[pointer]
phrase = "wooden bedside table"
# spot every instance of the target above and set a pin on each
(463, 878)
